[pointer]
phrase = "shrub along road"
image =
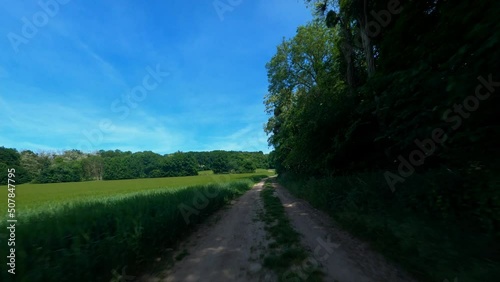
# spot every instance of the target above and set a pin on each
(231, 246)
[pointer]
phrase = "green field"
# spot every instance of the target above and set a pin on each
(47, 196)
(89, 231)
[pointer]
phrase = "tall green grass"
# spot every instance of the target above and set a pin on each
(415, 226)
(46, 196)
(92, 239)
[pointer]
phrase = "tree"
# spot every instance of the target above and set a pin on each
(179, 164)
(221, 163)
(305, 83)
(347, 15)
(29, 161)
(93, 167)
(10, 158)
(74, 165)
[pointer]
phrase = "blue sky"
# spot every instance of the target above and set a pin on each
(139, 75)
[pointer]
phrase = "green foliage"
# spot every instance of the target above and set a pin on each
(220, 164)
(179, 164)
(59, 173)
(231, 162)
(321, 123)
(74, 166)
(370, 100)
(10, 158)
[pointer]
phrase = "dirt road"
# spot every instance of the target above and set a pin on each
(227, 247)
(344, 259)
(230, 247)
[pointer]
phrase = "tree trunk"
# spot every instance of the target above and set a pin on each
(366, 40)
(368, 48)
(348, 51)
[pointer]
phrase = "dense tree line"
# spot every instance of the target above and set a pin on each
(342, 100)
(230, 161)
(74, 165)
(395, 88)
(371, 83)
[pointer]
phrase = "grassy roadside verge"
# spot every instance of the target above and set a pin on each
(286, 253)
(412, 226)
(96, 240)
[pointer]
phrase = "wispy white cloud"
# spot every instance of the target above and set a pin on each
(106, 68)
(36, 147)
(139, 136)
(248, 138)
(43, 117)
(64, 81)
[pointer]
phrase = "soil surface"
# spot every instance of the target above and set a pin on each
(343, 258)
(226, 248)
(230, 246)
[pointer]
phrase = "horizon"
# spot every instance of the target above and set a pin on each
(58, 152)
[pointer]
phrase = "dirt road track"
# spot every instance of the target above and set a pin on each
(227, 251)
(351, 260)
(230, 245)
